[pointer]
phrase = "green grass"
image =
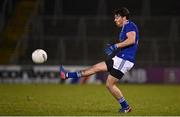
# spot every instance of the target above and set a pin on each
(87, 100)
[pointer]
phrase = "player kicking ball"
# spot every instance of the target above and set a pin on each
(121, 63)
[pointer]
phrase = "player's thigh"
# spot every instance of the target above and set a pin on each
(100, 67)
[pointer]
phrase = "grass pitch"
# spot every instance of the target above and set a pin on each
(56, 100)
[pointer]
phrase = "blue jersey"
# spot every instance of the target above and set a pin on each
(129, 52)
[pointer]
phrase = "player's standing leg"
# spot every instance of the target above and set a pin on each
(116, 92)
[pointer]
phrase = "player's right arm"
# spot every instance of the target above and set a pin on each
(131, 39)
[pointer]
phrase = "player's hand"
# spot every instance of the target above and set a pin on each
(110, 49)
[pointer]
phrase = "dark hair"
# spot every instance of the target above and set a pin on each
(122, 12)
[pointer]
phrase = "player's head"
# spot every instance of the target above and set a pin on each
(121, 15)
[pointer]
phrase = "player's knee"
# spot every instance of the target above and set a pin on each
(109, 84)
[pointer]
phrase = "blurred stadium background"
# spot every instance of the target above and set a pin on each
(75, 32)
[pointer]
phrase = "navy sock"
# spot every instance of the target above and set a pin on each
(123, 102)
(74, 74)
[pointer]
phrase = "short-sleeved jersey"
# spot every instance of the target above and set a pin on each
(129, 52)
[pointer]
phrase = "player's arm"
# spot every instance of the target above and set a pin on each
(131, 39)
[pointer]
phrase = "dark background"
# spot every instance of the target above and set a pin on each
(75, 32)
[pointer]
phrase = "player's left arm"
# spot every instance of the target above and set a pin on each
(131, 39)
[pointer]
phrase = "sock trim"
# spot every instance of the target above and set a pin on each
(122, 99)
(79, 74)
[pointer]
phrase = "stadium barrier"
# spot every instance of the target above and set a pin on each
(50, 74)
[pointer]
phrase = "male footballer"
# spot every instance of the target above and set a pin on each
(121, 63)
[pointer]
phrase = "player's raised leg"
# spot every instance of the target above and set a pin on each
(116, 92)
(64, 74)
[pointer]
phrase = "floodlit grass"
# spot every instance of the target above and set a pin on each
(49, 99)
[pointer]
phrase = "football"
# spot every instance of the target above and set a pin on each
(39, 56)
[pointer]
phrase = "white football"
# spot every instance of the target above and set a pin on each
(39, 56)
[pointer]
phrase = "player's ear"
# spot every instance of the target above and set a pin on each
(124, 18)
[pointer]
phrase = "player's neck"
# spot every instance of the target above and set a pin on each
(125, 22)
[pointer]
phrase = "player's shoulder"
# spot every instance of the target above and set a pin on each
(130, 23)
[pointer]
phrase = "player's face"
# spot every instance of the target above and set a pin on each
(118, 20)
